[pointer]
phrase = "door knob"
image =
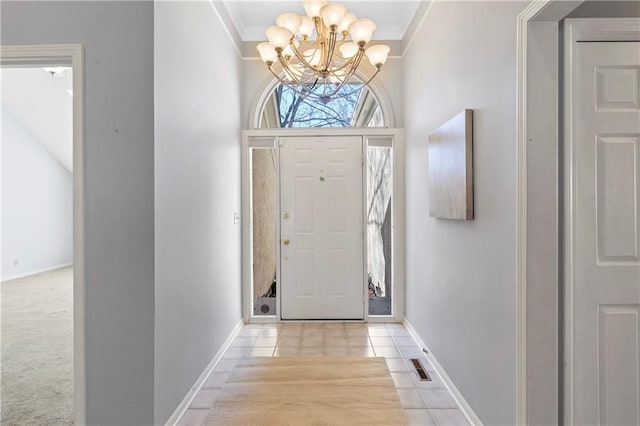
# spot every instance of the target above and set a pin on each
(286, 242)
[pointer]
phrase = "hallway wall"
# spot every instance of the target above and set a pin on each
(197, 190)
(460, 291)
(117, 38)
(37, 204)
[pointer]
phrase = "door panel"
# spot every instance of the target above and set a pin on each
(606, 269)
(321, 228)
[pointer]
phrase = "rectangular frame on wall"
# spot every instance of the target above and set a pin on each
(258, 138)
(67, 55)
(450, 151)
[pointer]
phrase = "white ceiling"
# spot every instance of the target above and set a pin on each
(41, 103)
(252, 17)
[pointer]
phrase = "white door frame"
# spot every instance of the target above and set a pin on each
(594, 29)
(530, 85)
(67, 55)
(528, 112)
(269, 137)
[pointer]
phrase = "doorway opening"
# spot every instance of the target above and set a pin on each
(264, 169)
(37, 245)
(65, 287)
(286, 123)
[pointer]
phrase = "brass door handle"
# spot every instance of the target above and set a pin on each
(286, 242)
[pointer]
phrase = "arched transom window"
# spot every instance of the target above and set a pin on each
(354, 106)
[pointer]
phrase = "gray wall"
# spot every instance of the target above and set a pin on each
(607, 9)
(37, 204)
(197, 173)
(118, 42)
(460, 280)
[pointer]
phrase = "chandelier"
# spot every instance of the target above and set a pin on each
(319, 68)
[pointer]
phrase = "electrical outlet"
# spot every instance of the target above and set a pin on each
(236, 218)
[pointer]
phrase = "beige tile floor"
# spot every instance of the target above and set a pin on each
(425, 403)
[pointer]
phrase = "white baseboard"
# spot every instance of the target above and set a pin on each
(37, 271)
(186, 401)
(464, 405)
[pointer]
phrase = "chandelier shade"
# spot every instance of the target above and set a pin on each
(290, 21)
(362, 30)
(320, 66)
(349, 49)
(332, 14)
(279, 37)
(267, 52)
(377, 54)
(306, 27)
(348, 19)
(312, 7)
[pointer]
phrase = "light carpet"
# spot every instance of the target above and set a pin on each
(36, 358)
(308, 391)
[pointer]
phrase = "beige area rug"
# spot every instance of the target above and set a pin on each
(308, 391)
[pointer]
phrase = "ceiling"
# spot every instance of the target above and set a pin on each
(42, 104)
(252, 17)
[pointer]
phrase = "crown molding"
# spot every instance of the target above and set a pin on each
(227, 24)
(415, 24)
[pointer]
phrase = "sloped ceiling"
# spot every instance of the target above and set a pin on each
(252, 17)
(42, 104)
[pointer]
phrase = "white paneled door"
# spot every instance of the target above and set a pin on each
(605, 299)
(321, 228)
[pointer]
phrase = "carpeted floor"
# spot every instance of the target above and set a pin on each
(36, 352)
(308, 391)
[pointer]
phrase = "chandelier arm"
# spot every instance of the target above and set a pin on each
(337, 95)
(331, 49)
(308, 94)
(323, 55)
(287, 69)
(315, 45)
(319, 71)
(373, 76)
(304, 95)
(319, 28)
(301, 57)
(278, 76)
(286, 83)
(352, 71)
(348, 63)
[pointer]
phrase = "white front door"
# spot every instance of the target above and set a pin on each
(321, 228)
(604, 306)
